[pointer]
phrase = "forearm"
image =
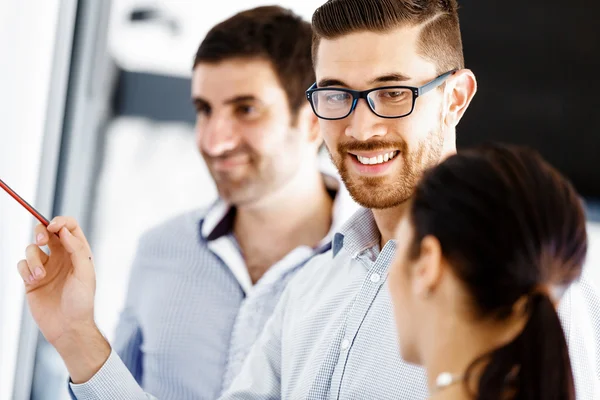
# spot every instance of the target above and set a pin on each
(84, 352)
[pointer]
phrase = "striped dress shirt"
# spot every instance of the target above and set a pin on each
(332, 335)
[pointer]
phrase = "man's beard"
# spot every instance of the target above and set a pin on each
(261, 176)
(242, 185)
(381, 192)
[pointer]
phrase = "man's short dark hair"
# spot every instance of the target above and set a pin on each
(271, 33)
(440, 40)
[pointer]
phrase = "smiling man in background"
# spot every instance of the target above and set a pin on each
(203, 284)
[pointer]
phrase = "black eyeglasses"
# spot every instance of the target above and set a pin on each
(385, 102)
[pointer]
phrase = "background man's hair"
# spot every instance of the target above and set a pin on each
(271, 33)
(440, 40)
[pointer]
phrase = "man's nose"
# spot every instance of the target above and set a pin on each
(364, 124)
(217, 137)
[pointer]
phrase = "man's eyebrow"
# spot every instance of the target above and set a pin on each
(199, 101)
(241, 99)
(392, 77)
(326, 82)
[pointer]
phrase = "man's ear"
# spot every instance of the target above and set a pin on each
(460, 89)
(308, 123)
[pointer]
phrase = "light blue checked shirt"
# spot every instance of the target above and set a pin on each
(192, 313)
(332, 335)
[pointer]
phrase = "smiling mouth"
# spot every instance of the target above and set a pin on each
(380, 159)
(223, 164)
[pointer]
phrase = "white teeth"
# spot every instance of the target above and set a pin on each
(378, 159)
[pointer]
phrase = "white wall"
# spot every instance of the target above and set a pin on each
(27, 32)
(152, 48)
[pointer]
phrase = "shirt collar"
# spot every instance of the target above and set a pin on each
(359, 233)
(218, 221)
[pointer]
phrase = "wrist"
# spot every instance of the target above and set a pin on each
(84, 351)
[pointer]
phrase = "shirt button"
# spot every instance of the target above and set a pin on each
(345, 344)
(375, 278)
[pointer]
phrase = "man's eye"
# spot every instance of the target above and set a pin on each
(246, 110)
(202, 110)
(393, 94)
(338, 97)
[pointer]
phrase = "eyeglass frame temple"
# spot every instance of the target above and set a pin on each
(434, 83)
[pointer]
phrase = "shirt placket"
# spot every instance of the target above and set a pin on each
(252, 314)
(371, 285)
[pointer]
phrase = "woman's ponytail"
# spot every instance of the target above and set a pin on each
(533, 366)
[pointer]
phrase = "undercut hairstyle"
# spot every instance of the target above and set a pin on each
(439, 41)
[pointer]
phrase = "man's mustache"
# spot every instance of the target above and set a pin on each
(227, 155)
(373, 145)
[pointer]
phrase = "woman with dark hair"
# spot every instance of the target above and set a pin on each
(493, 238)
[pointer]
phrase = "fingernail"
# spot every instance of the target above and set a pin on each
(40, 237)
(31, 279)
(39, 272)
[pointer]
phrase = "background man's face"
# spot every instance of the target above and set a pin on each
(243, 128)
(411, 144)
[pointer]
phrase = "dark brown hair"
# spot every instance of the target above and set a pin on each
(272, 33)
(508, 223)
(440, 40)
